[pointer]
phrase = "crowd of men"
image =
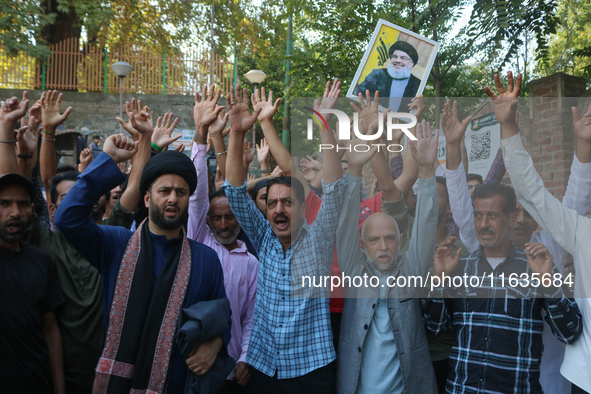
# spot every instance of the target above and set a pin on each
(170, 278)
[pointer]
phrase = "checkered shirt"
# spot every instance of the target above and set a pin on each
(290, 336)
(498, 333)
(497, 169)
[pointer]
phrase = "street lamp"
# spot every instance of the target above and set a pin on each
(122, 69)
(255, 77)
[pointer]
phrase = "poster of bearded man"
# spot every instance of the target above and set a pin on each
(397, 63)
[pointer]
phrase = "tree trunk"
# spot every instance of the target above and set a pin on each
(66, 25)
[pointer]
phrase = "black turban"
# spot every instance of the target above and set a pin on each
(168, 162)
(406, 48)
(258, 186)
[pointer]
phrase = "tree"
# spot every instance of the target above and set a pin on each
(569, 49)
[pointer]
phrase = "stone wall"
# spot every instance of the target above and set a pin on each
(97, 111)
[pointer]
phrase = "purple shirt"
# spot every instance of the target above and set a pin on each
(240, 267)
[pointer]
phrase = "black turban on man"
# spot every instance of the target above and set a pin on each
(406, 48)
(168, 162)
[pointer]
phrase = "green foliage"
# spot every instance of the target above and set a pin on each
(21, 23)
(569, 50)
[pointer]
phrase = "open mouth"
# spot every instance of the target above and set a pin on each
(14, 227)
(171, 211)
(282, 223)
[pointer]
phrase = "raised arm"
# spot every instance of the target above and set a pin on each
(249, 217)
(582, 127)
(199, 201)
(12, 110)
(348, 250)
(263, 156)
(368, 115)
(268, 108)
(141, 121)
(457, 186)
(240, 122)
(50, 119)
(73, 217)
(27, 139)
(331, 158)
(578, 191)
(216, 134)
(422, 241)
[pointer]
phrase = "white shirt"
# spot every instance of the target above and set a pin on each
(578, 197)
(573, 232)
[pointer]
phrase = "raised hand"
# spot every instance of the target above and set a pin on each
(247, 153)
(206, 109)
(444, 261)
(310, 163)
(86, 157)
(266, 105)
(263, 154)
(12, 110)
(539, 258)
(358, 159)
(418, 104)
(140, 119)
(35, 110)
(453, 129)
(368, 113)
(216, 129)
(27, 137)
(582, 126)
(120, 147)
(506, 102)
(277, 171)
(162, 135)
(240, 119)
(330, 96)
(424, 149)
(50, 110)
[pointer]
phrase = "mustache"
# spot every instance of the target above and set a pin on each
(487, 231)
(281, 216)
(11, 222)
(520, 227)
(384, 254)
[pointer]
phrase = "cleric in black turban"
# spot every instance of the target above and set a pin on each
(168, 162)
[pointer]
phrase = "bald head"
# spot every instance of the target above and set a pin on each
(381, 240)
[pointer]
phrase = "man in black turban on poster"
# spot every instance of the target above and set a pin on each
(396, 80)
(148, 276)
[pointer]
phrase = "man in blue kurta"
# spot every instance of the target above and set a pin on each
(148, 276)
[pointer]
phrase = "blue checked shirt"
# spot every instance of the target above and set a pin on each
(498, 333)
(290, 336)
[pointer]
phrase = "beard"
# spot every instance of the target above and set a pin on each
(399, 74)
(157, 217)
(382, 267)
(14, 236)
(226, 240)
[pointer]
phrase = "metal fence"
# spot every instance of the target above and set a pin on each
(82, 67)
